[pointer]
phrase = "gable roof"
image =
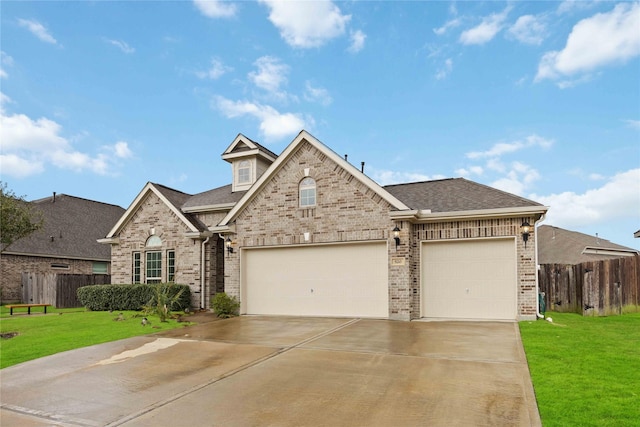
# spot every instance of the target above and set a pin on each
(70, 229)
(455, 194)
(559, 246)
(243, 147)
(173, 199)
(304, 136)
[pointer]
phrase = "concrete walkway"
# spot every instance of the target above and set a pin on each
(283, 371)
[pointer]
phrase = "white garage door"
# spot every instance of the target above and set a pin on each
(325, 280)
(471, 279)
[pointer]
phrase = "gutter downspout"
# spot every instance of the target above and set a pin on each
(203, 273)
(535, 227)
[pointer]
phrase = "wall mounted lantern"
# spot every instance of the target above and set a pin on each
(396, 235)
(525, 229)
(229, 248)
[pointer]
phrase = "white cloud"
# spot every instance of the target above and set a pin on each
(271, 74)
(603, 39)
(388, 177)
(529, 29)
(273, 124)
(307, 24)
(317, 94)
(452, 23)
(29, 145)
(470, 171)
(5, 60)
(486, 30)
(38, 30)
(518, 178)
(123, 46)
(445, 70)
(217, 70)
(122, 150)
(215, 8)
(357, 41)
(509, 147)
(617, 199)
(634, 124)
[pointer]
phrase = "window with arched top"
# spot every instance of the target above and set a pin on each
(307, 190)
(153, 241)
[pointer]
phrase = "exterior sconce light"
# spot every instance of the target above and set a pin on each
(229, 248)
(396, 235)
(525, 229)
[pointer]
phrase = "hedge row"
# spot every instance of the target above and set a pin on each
(129, 297)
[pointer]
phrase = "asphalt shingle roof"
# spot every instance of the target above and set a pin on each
(71, 228)
(560, 246)
(217, 196)
(455, 194)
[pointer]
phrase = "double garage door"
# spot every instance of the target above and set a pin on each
(470, 279)
(323, 280)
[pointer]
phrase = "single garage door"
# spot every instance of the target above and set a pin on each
(470, 279)
(324, 280)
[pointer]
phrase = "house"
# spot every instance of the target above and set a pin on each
(65, 244)
(559, 246)
(307, 233)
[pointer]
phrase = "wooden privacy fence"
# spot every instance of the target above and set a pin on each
(594, 288)
(58, 290)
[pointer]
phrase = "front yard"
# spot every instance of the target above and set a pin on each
(585, 370)
(27, 337)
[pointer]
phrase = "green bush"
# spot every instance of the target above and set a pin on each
(225, 306)
(131, 297)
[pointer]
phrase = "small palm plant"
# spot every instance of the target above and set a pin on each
(162, 300)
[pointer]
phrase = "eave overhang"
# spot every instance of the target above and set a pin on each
(425, 215)
(221, 207)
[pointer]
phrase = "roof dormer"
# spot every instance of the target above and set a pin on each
(248, 161)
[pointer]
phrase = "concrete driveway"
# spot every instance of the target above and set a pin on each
(283, 371)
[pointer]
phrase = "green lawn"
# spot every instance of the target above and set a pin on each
(61, 330)
(585, 370)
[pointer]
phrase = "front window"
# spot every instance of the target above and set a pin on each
(154, 267)
(244, 172)
(171, 266)
(136, 267)
(307, 192)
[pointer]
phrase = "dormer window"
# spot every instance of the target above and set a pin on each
(244, 172)
(307, 193)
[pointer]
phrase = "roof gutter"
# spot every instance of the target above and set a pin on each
(209, 208)
(425, 215)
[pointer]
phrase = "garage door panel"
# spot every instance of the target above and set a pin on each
(474, 279)
(324, 280)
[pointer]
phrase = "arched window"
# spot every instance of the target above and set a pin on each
(244, 172)
(307, 192)
(153, 241)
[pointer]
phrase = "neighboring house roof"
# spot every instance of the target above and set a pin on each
(70, 229)
(455, 194)
(636, 234)
(560, 246)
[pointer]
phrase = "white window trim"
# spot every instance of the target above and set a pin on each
(303, 201)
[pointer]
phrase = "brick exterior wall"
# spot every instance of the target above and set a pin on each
(346, 211)
(12, 267)
(153, 216)
(479, 228)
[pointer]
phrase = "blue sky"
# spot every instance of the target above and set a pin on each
(541, 99)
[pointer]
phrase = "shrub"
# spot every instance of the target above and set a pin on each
(130, 297)
(163, 299)
(224, 305)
